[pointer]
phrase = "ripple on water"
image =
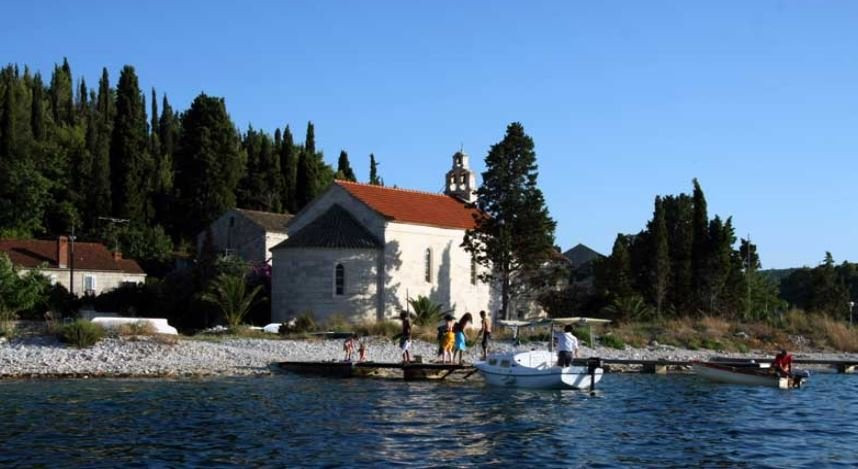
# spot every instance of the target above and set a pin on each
(670, 421)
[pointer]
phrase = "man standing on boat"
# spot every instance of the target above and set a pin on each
(405, 337)
(782, 364)
(567, 346)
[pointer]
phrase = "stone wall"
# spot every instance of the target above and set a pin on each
(303, 281)
(244, 238)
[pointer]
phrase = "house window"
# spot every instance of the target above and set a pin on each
(429, 265)
(339, 280)
(89, 284)
(473, 271)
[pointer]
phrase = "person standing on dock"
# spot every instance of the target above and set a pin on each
(460, 339)
(449, 340)
(567, 346)
(349, 347)
(485, 332)
(405, 338)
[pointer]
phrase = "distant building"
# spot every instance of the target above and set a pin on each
(361, 251)
(248, 234)
(95, 268)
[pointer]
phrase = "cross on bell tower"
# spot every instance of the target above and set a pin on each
(460, 180)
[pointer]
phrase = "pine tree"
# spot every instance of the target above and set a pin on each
(37, 116)
(289, 166)
(660, 262)
(515, 238)
(208, 164)
(129, 163)
(344, 169)
(373, 171)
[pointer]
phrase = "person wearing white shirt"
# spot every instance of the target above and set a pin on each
(567, 346)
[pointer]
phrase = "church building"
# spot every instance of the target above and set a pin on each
(360, 251)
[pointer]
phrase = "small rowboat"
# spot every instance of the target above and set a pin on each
(748, 374)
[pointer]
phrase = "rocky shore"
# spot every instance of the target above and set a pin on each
(45, 357)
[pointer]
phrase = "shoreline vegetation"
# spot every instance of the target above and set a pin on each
(37, 352)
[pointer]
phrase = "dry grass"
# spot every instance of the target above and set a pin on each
(136, 328)
(839, 335)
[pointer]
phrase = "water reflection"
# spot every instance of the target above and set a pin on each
(633, 420)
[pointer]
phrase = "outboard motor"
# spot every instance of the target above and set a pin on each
(593, 363)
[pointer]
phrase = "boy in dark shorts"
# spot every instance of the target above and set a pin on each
(486, 331)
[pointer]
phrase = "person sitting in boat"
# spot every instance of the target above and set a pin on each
(782, 365)
(460, 339)
(567, 346)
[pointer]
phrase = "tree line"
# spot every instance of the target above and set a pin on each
(75, 157)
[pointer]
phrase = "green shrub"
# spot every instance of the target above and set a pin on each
(337, 323)
(583, 335)
(426, 312)
(613, 342)
(81, 333)
(137, 328)
(305, 323)
(386, 328)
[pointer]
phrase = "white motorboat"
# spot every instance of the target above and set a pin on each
(537, 369)
(748, 374)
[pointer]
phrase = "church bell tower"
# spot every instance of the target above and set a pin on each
(460, 180)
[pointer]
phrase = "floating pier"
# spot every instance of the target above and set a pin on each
(417, 371)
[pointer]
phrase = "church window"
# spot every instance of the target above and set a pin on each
(428, 264)
(473, 271)
(339, 280)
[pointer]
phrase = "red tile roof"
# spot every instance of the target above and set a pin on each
(33, 253)
(408, 206)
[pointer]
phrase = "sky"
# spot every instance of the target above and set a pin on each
(625, 100)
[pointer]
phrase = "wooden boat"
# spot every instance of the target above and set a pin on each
(537, 369)
(751, 374)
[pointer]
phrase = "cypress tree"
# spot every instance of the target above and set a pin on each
(515, 238)
(82, 105)
(344, 169)
(373, 171)
(128, 157)
(272, 176)
(7, 122)
(618, 270)
(720, 252)
(278, 141)
(289, 167)
(154, 130)
(167, 128)
(679, 212)
(700, 243)
(100, 199)
(61, 94)
(208, 164)
(306, 178)
(310, 140)
(37, 116)
(660, 262)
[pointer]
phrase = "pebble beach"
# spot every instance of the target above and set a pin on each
(45, 357)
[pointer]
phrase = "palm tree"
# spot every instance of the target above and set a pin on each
(229, 293)
(425, 311)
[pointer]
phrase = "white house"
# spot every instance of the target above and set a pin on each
(248, 234)
(360, 251)
(83, 268)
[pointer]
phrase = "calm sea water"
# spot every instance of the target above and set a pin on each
(633, 420)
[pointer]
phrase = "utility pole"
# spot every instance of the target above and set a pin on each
(71, 261)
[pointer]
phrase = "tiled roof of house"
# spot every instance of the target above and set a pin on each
(336, 228)
(580, 255)
(408, 206)
(33, 253)
(268, 221)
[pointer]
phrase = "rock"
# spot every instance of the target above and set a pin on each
(742, 335)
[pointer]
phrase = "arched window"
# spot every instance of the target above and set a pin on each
(473, 271)
(339, 280)
(429, 265)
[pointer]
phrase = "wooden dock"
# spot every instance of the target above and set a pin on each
(410, 371)
(438, 371)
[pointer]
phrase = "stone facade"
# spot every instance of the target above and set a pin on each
(100, 281)
(237, 232)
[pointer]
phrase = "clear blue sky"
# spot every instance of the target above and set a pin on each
(625, 100)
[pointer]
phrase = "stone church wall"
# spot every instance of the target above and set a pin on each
(450, 281)
(305, 283)
(240, 236)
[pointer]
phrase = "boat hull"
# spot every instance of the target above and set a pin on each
(745, 376)
(536, 370)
